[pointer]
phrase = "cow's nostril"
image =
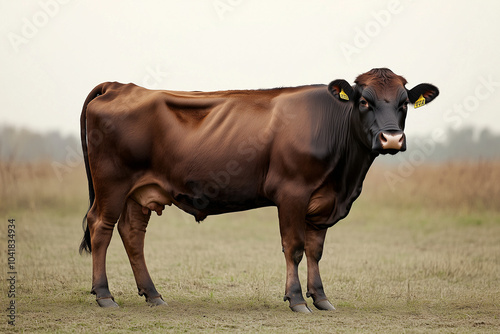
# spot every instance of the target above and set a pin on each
(382, 138)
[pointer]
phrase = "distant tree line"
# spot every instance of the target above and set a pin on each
(459, 145)
(463, 144)
(22, 145)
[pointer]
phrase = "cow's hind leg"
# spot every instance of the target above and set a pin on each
(101, 229)
(315, 240)
(132, 228)
(101, 220)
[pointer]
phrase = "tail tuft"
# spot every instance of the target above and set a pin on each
(85, 244)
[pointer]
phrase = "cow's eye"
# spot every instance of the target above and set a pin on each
(404, 106)
(363, 104)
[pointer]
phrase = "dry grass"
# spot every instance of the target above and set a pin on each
(467, 186)
(425, 261)
(39, 187)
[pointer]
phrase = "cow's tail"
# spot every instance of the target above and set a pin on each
(98, 90)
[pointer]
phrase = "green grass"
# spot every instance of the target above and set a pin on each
(399, 267)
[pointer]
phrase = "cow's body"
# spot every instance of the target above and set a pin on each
(300, 149)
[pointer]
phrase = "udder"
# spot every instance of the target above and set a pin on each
(152, 198)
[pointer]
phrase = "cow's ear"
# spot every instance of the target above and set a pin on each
(341, 90)
(422, 94)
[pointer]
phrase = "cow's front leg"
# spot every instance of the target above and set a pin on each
(315, 240)
(132, 228)
(292, 229)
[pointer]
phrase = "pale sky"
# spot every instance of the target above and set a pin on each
(55, 51)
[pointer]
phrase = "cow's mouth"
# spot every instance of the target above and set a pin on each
(389, 151)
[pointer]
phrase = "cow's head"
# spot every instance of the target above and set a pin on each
(380, 101)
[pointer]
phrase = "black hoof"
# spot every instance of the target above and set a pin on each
(301, 308)
(324, 305)
(158, 301)
(107, 302)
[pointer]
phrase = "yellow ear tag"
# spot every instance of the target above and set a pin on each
(343, 95)
(420, 102)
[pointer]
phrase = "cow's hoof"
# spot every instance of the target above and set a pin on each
(324, 305)
(158, 301)
(107, 302)
(301, 308)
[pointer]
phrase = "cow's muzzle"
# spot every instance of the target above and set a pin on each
(390, 142)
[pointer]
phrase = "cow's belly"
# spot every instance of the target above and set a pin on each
(153, 197)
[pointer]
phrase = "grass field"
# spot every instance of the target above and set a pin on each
(421, 257)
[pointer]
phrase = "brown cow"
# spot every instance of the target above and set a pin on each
(305, 150)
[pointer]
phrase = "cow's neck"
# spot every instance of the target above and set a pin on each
(357, 157)
(336, 141)
(349, 160)
(347, 176)
(353, 165)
